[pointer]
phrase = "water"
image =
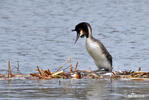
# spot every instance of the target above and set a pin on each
(38, 32)
(86, 89)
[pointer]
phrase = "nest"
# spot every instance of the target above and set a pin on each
(74, 73)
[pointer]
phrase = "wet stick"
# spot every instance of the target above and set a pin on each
(76, 66)
(18, 68)
(9, 70)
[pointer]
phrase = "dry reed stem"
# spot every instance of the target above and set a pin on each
(40, 72)
(57, 73)
(71, 69)
(63, 64)
(9, 70)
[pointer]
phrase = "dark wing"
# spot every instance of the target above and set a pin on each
(105, 51)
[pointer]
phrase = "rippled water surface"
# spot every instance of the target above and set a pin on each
(38, 32)
(87, 89)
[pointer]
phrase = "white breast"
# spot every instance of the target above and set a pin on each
(96, 53)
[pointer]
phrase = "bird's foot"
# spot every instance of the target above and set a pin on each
(100, 71)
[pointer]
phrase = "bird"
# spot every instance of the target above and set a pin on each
(95, 48)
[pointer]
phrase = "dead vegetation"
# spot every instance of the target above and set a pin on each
(9, 74)
(73, 72)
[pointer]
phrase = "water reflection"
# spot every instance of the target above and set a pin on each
(118, 90)
(86, 89)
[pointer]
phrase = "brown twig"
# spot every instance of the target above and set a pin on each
(39, 71)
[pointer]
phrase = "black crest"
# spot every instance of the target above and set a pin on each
(83, 26)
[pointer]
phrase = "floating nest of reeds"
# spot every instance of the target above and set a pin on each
(75, 73)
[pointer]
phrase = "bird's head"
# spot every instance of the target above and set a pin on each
(82, 29)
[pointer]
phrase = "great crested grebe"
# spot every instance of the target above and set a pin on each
(95, 48)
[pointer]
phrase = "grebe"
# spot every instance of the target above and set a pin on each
(95, 48)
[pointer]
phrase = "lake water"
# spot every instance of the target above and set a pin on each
(85, 89)
(38, 32)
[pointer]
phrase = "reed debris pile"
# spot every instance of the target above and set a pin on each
(73, 72)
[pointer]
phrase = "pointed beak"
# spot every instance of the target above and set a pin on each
(73, 30)
(78, 35)
(77, 38)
